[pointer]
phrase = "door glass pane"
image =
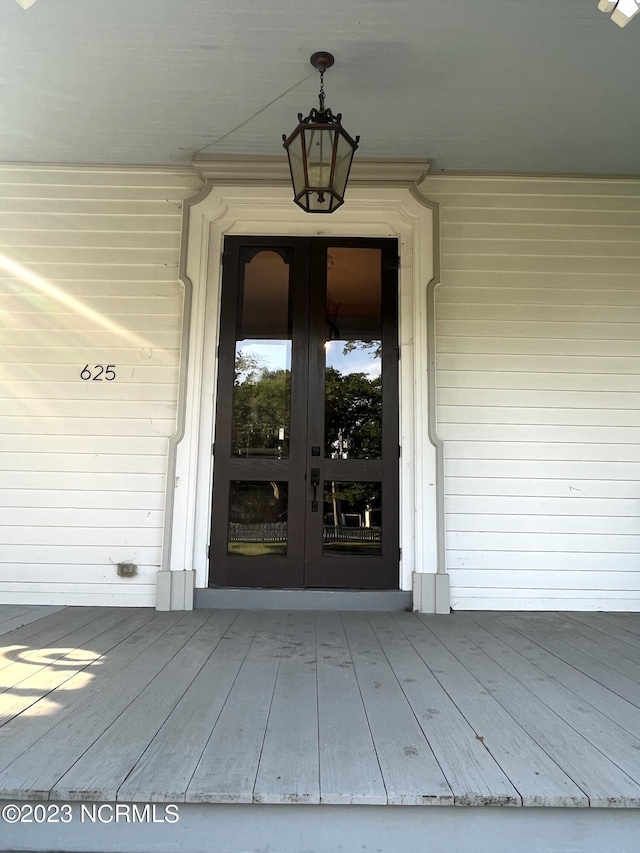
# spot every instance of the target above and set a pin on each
(353, 353)
(352, 521)
(262, 379)
(257, 519)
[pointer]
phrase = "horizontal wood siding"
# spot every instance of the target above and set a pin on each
(538, 348)
(88, 275)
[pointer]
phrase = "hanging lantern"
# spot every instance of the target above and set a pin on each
(320, 152)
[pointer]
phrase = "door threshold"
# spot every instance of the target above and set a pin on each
(303, 599)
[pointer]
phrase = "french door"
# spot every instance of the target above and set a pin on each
(305, 489)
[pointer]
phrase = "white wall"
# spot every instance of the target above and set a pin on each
(88, 275)
(538, 339)
(538, 384)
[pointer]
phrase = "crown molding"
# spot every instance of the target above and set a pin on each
(273, 170)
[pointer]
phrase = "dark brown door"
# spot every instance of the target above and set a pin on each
(305, 487)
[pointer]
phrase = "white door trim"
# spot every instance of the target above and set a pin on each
(370, 211)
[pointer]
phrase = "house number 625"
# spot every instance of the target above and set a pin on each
(98, 372)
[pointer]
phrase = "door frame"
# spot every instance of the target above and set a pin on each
(305, 565)
(247, 205)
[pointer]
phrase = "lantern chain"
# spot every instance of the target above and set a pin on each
(321, 95)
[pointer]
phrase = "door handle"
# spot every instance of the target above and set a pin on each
(315, 482)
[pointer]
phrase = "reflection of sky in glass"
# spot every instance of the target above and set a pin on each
(276, 355)
(272, 355)
(357, 361)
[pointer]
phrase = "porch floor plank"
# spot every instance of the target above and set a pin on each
(535, 775)
(618, 684)
(602, 780)
(9, 611)
(39, 671)
(289, 770)
(472, 772)
(13, 611)
(598, 646)
(24, 728)
(410, 771)
(227, 773)
(628, 621)
(276, 707)
(600, 623)
(51, 628)
(596, 726)
(349, 767)
(18, 616)
(586, 679)
(63, 736)
(576, 631)
(163, 772)
(77, 629)
(103, 767)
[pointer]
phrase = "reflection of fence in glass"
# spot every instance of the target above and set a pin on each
(351, 534)
(277, 532)
(273, 532)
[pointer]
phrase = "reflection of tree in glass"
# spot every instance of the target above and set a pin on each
(261, 404)
(358, 498)
(353, 417)
(374, 346)
(261, 407)
(257, 503)
(246, 367)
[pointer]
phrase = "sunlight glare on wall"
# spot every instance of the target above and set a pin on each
(75, 305)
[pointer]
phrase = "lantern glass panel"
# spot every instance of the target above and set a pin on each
(319, 145)
(296, 163)
(344, 156)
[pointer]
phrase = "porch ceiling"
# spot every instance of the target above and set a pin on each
(483, 85)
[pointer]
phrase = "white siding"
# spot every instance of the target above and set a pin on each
(538, 342)
(88, 275)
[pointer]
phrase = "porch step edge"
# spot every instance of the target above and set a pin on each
(303, 599)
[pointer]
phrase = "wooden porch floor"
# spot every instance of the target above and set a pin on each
(306, 707)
